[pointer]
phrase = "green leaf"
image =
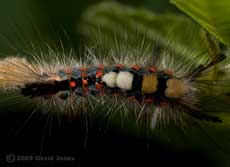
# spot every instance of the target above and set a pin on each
(212, 15)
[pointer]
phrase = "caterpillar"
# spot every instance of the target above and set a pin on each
(154, 82)
(140, 88)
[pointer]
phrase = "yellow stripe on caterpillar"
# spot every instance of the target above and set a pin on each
(175, 88)
(149, 83)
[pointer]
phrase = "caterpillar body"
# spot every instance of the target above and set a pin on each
(134, 83)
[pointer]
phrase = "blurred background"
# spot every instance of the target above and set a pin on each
(41, 23)
(23, 20)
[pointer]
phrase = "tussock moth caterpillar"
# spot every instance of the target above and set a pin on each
(172, 89)
(165, 86)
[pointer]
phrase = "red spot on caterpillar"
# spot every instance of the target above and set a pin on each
(83, 75)
(131, 98)
(136, 67)
(72, 84)
(119, 66)
(115, 94)
(84, 82)
(169, 72)
(148, 100)
(163, 104)
(99, 73)
(153, 69)
(101, 66)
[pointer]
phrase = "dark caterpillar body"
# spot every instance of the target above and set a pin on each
(83, 82)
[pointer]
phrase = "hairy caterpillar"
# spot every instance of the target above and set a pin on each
(39, 82)
(166, 87)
